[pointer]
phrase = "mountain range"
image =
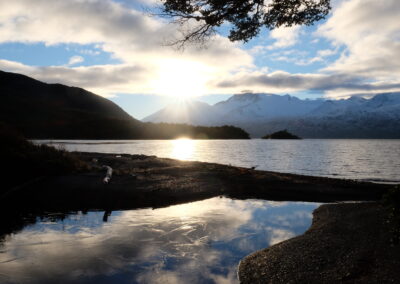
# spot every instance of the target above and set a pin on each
(259, 114)
(54, 111)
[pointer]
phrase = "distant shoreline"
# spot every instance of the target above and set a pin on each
(252, 138)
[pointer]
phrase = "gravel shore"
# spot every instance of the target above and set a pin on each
(347, 243)
(147, 181)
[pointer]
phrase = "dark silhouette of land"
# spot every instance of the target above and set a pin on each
(55, 111)
(283, 134)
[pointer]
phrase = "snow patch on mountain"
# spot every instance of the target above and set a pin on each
(259, 114)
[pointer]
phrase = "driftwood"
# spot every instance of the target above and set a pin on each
(107, 178)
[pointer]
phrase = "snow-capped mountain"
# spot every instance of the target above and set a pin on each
(332, 107)
(190, 112)
(356, 117)
(247, 107)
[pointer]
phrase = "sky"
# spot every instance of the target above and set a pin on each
(115, 49)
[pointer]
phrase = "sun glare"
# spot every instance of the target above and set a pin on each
(180, 78)
(182, 149)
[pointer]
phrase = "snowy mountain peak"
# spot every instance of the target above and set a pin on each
(357, 99)
(384, 99)
(260, 113)
(246, 97)
(191, 112)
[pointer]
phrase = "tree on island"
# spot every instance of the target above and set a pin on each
(283, 134)
(200, 18)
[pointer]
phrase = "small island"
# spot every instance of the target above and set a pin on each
(283, 134)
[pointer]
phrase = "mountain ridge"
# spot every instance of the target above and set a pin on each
(55, 111)
(355, 117)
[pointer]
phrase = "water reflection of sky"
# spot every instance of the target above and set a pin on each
(200, 242)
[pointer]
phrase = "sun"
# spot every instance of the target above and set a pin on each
(181, 78)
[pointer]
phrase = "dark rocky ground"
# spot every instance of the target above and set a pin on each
(347, 243)
(147, 181)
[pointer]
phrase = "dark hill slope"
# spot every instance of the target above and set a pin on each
(41, 110)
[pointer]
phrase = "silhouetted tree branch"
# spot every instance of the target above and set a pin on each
(200, 18)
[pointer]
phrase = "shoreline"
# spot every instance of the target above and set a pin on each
(141, 181)
(346, 243)
(148, 181)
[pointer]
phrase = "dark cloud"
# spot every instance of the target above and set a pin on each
(312, 82)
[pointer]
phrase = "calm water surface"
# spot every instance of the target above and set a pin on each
(374, 160)
(199, 242)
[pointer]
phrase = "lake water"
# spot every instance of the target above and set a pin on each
(199, 242)
(371, 160)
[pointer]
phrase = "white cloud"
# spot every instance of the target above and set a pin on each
(297, 58)
(326, 52)
(367, 32)
(90, 52)
(105, 80)
(130, 36)
(75, 60)
(301, 59)
(285, 36)
(370, 32)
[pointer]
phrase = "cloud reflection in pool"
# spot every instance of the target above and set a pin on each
(199, 242)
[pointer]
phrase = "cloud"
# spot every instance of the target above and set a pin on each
(126, 33)
(75, 60)
(280, 81)
(285, 36)
(365, 32)
(135, 39)
(297, 57)
(105, 80)
(326, 52)
(370, 32)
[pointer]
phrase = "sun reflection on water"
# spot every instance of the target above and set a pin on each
(183, 148)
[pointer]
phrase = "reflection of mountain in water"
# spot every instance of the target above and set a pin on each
(195, 242)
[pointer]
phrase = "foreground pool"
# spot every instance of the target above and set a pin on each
(199, 242)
